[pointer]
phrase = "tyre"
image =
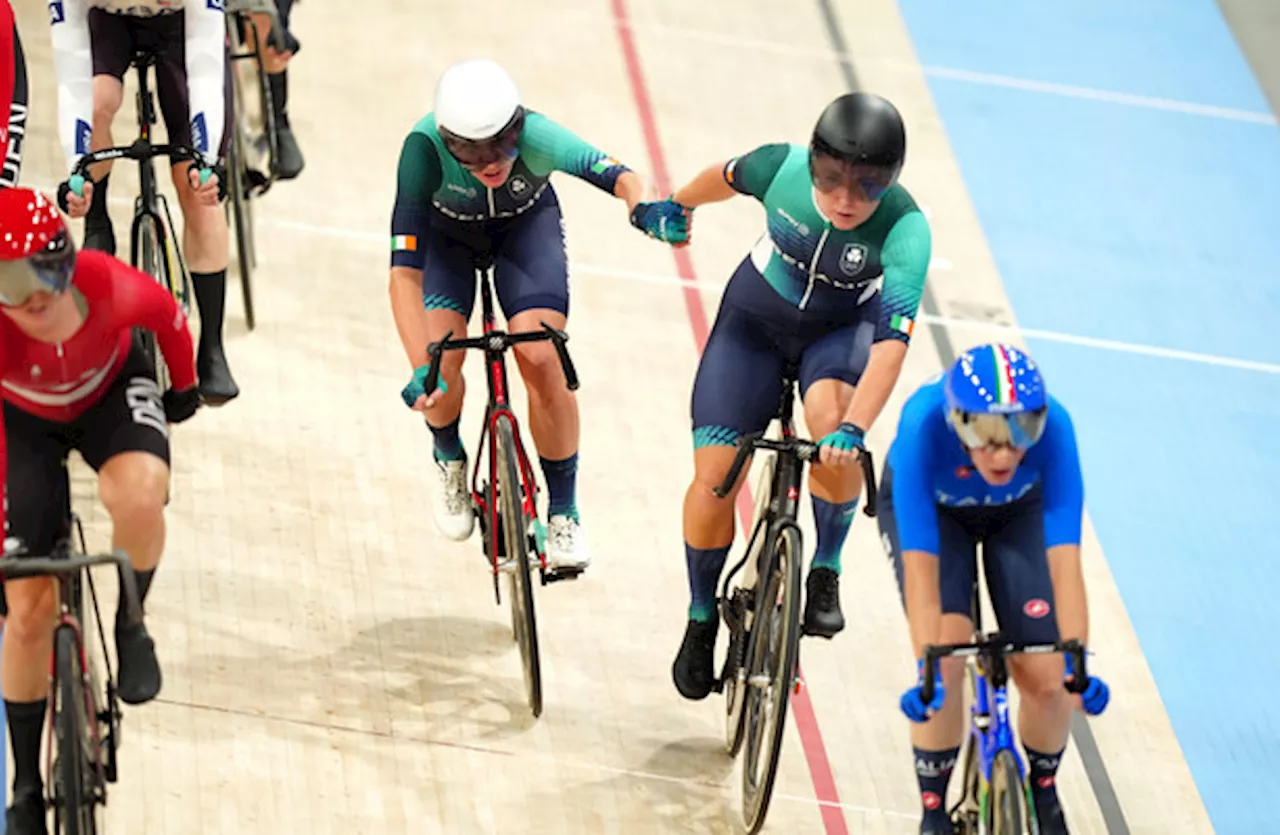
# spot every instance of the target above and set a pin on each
(514, 529)
(74, 796)
(1007, 804)
(772, 657)
(153, 259)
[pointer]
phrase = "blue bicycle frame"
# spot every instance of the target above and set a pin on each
(991, 738)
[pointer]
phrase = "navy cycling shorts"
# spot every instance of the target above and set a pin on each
(531, 265)
(1015, 561)
(756, 337)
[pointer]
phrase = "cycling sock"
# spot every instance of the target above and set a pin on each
(98, 203)
(211, 300)
(933, 771)
(832, 522)
(562, 478)
(1043, 771)
(705, 565)
(26, 728)
(448, 445)
(279, 83)
(143, 581)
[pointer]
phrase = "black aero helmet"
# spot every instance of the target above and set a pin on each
(861, 129)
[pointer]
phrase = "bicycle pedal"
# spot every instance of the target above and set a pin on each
(558, 574)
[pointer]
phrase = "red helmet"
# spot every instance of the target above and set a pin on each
(36, 251)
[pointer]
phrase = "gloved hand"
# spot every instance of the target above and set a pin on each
(665, 220)
(913, 704)
(180, 405)
(841, 446)
(414, 395)
(1096, 693)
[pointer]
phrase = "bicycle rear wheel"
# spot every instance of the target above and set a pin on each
(1006, 807)
(772, 657)
(514, 533)
(74, 795)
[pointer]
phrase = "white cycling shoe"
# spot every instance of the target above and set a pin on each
(452, 501)
(566, 544)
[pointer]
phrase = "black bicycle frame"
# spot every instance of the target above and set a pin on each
(149, 201)
(786, 485)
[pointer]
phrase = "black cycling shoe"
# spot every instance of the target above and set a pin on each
(27, 814)
(289, 163)
(140, 677)
(693, 670)
(822, 615)
(217, 386)
(1050, 817)
(99, 235)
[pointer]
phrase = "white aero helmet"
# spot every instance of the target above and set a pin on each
(478, 112)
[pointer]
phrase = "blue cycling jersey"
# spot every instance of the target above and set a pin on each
(932, 470)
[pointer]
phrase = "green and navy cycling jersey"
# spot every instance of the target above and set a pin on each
(932, 472)
(431, 185)
(800, 248)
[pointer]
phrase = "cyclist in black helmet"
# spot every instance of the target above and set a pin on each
(832, 287)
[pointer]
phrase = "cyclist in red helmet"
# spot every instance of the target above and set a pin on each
(72, 376)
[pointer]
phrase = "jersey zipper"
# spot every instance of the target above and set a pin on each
(492, 211)
(813, 267)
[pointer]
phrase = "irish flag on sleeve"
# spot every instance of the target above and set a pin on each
(902, 324)
(404, 243)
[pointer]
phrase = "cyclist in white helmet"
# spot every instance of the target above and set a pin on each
(473, 181)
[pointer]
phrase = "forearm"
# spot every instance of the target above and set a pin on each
(878, 380)
(708, 186)
(631, 188)
(410, 316)
(1067, 575)
(923, 599)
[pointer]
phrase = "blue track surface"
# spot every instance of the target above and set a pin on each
(1159, 228)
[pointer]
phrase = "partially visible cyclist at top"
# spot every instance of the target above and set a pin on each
(831, 288)
(94, 42)
(13, 97)
(276, 65)
(72, 376)
(984, 454)
(473, 182)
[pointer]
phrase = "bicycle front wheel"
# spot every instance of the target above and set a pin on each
(735, 672)
(153, 259)
(242, 221)
(1007, 805)
(515, 536)
(74, 795)
(772, 658)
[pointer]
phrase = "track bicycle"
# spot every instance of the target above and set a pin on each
(153, 245)
(762, 611)
(995, 795)
(513, 535)
(85, 732)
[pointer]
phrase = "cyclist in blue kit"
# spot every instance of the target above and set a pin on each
(984, 454)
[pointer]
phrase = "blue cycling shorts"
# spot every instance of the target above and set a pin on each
(530, 262)
(1015, 561)
(757, 335)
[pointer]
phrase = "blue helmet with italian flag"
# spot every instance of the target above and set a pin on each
(996, 397)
